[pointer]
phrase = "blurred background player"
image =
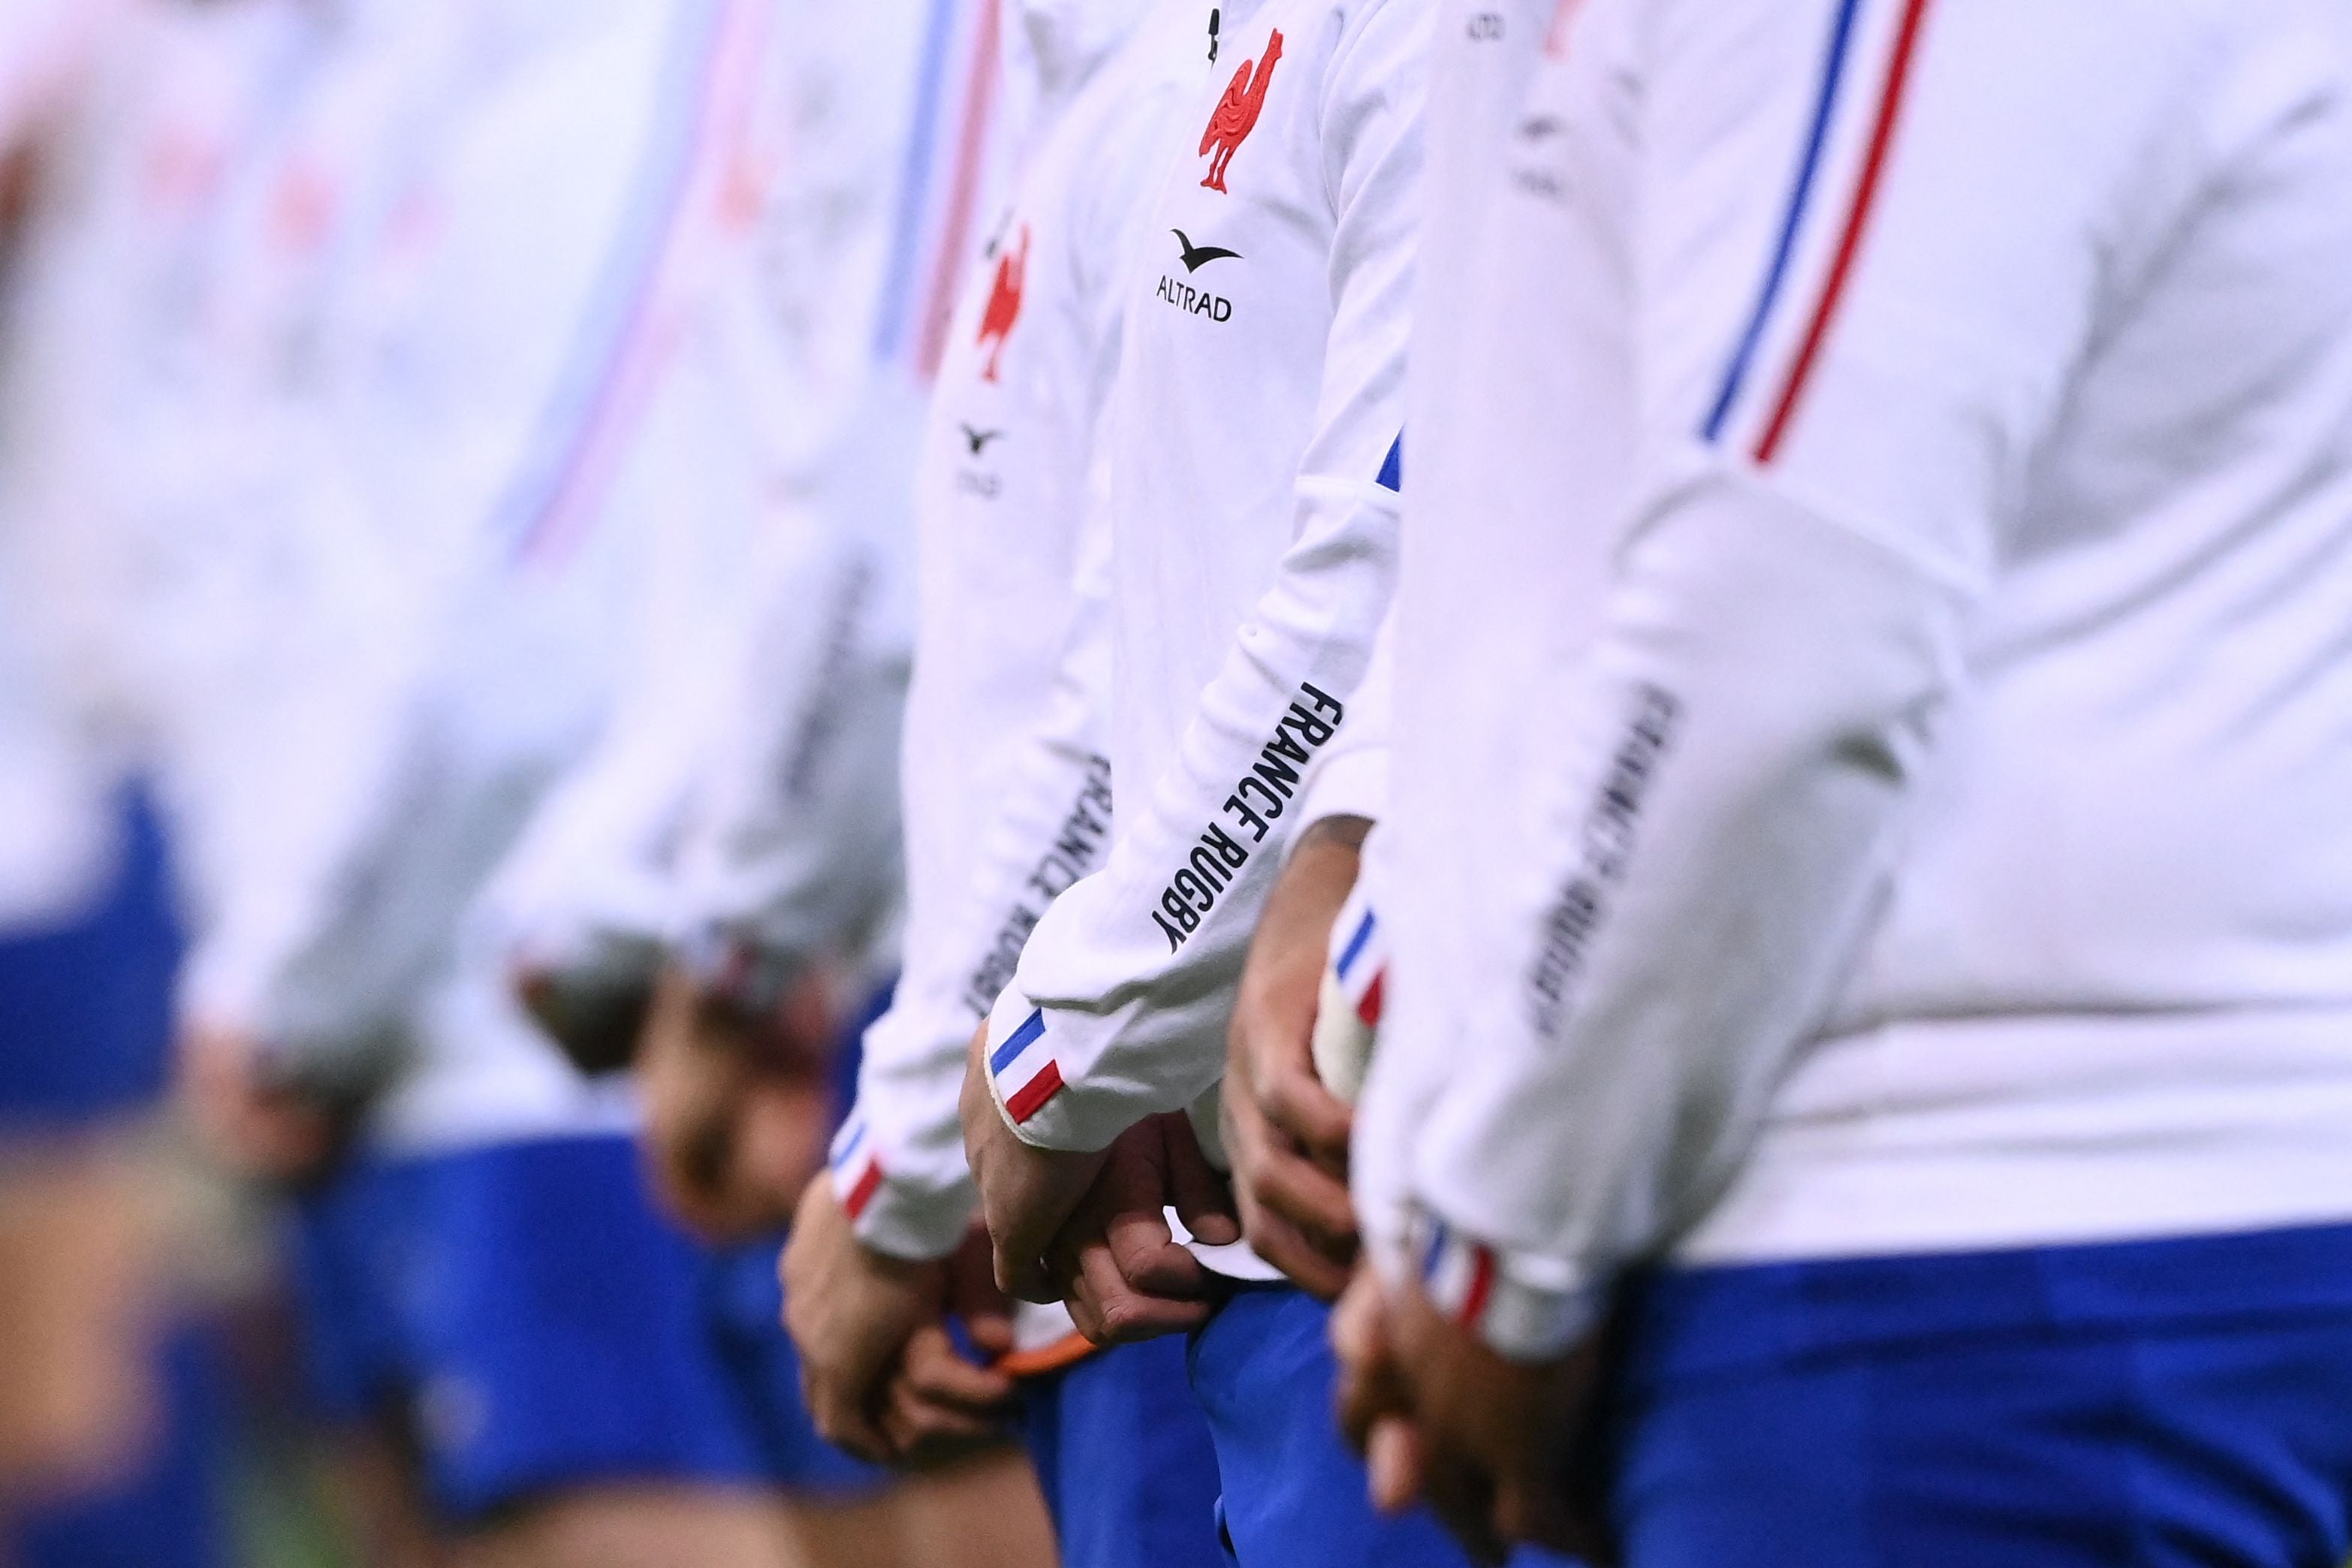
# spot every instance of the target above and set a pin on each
(714, 893)
(119, 123)
(487, 1272)
(1008, 800)
(1896, 965)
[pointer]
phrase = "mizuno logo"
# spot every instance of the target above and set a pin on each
(1196, 256)
(978, 440)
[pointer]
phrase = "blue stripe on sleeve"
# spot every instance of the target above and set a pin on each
(1355, 948)
(914, 187)
(1841, 37)
(1018, 1041)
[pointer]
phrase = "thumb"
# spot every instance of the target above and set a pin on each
(972, 1298)
(1199, 1194)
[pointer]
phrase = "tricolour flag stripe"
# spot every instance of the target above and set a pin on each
(1480, 1289)
(1019, 1040)
(1355, 948)
(1030, 1098)
(1865, 197)
(1025, 1072)
(1793, 221)
(861, 1192)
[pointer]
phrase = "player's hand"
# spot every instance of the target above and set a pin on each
(1285, 1132)
(1026, 1193)
(1492, 1444)
(732, 1131)
(941, 1406)
(255, 1128)
(852, 1312)
(598, 1020)
(1117, 1262)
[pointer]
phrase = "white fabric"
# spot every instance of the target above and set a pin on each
(742, 792)
(1916, 798)
(1007, 795)
(1253, 548)
(111, 241)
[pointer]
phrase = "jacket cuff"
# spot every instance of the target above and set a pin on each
(1027, 1046)
(1526, 1308)
(893, 1213)
(1352, 782)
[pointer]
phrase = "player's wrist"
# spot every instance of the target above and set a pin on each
(1031, 1063)
(1525, 1307)
(891, 1213)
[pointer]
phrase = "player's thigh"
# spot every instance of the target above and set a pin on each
(982, 1512)
(635, 1527)
(76, 1299)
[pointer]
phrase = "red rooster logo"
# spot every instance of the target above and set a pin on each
(1235, 115)
(1003, 303)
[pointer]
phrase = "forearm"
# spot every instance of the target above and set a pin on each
(1717, 830)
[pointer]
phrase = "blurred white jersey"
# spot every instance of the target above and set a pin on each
(537, 416)
(741, 806)
(123, 126)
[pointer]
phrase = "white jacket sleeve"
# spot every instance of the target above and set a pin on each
(1046, 818)
(793, 849)
(1134, 1009)
(1051, 829)
(1810, 522)
(1351, 775)
(792, 845)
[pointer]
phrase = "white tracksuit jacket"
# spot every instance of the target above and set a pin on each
(137, 541)
(762, 833)
(513, 429)
(62, 707)
(741, 799)
(835, 287)
(1869, 757)
(1257, 411)
(1007, 792)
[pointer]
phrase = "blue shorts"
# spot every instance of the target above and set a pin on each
(1295, 1495)
(744, 1304)
(522, 1310)
(1124, 1459)
(2154, 1402)
(168, 1512)
(86, 1002)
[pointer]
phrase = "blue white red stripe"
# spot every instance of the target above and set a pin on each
(626, 337)
(1361, 968)
(1798, 223)
(934, 230)
(1026, 1074)
(857, 1169)
(1458, 1273)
